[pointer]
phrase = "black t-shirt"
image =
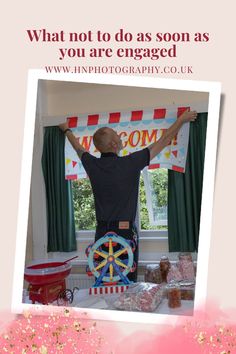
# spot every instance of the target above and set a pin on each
(115, 183)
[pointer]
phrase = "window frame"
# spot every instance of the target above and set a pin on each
(38, 219)
(144, 235)
(148, 192)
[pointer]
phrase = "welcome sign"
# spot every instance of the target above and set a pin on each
(137, 129)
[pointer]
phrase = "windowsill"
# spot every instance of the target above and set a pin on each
(84, 238)
(173, 257)
(141, 238)
(145, 257)
(153, 238)
(144, 235)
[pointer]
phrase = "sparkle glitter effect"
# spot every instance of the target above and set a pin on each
(55, 333)
(64, 332)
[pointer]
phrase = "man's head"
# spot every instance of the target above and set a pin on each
(107, 140)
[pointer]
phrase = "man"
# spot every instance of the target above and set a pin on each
(115, 180)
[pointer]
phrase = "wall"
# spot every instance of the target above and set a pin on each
(65, 98)
(29, 244)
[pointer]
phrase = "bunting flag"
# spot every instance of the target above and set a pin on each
(137, 129)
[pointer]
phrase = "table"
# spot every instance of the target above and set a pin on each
(82, 299)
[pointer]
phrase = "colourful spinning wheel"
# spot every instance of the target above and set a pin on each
(111, 268)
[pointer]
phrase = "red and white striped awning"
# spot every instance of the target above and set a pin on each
(137, 128)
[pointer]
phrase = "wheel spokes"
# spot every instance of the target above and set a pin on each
(110, 247)
(102, 264)
(118, 262)
(111, 271)
(112, 262)
(118, 253)
(102, 254)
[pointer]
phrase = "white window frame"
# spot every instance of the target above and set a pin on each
(149, 235)
(152, 243)
(149, 202)
(145, 235)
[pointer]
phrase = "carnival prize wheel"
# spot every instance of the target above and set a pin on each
(111, 268)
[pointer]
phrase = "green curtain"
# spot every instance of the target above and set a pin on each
(60, 210)
(185, 192)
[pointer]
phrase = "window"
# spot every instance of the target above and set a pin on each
(84, 210)
(153, 196)
(152, 199)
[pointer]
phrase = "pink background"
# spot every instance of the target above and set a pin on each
(212, 61)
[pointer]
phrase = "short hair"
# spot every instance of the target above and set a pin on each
(102, 139)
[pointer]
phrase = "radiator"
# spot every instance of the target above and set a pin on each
(83, 281)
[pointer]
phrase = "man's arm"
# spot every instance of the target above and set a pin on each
(72, 139)
(170, 133)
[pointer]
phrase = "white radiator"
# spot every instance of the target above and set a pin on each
(83, 281)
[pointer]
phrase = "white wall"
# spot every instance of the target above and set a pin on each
(66, 98)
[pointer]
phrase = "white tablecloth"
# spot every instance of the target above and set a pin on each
(84, 300)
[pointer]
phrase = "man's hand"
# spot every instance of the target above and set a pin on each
(63, 126)
(72, 139)
(188, 116)
(170, 133)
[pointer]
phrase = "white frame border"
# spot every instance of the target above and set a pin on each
(214, 90)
